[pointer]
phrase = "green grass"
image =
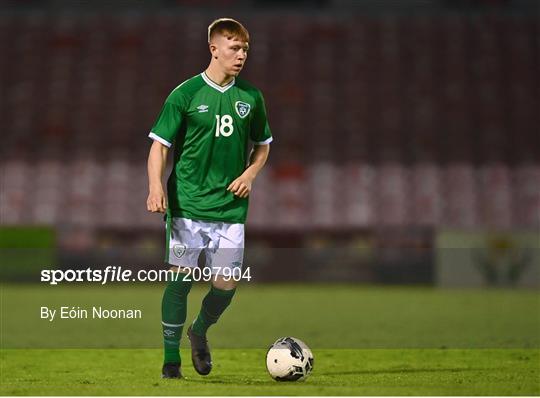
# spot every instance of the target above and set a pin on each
(366, 341)
(325, 316)
(242, 372)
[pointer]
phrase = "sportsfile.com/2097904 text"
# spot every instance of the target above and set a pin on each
(118, 274)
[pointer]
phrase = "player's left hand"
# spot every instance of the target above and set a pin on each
(241, 187)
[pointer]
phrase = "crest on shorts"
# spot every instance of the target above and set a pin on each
(179, 250)
(242, 108)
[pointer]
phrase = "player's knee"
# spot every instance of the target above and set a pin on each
(224, 284)
(176, 268)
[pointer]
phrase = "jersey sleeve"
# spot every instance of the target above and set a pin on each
(260, 132)
(169, 120)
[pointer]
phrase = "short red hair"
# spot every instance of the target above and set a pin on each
(229, 28)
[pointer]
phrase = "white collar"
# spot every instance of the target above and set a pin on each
(219, 88)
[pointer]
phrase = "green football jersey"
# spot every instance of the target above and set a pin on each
(211, 127)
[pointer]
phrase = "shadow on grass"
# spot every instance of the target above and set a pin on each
(235, 380)
(229, 380)
(398, 371)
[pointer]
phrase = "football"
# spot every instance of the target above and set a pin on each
(289, 359)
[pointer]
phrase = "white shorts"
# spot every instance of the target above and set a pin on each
(223, 244)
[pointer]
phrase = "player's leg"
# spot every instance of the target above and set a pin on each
(173, 317)
(215, 302)
(225, 252)
(184, 249)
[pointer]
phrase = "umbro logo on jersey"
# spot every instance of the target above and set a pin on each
(242, 108)
(202, 108)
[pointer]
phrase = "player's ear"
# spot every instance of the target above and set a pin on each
(213, 50)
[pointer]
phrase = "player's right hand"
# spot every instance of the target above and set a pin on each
(156, 202)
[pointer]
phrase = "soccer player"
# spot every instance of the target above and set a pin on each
(211, 119)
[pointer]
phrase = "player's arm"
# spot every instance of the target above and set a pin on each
(157, 160)
(241, 186)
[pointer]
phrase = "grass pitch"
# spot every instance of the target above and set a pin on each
(366, 341)
(242, 372)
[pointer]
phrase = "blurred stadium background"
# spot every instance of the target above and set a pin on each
(407, 145)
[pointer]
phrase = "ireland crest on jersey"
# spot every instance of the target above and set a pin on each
(242, 108)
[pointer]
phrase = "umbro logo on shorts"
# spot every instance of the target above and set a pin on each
(202, 108)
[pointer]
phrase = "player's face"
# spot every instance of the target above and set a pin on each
(230, 54)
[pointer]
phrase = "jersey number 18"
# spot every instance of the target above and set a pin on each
(224, 125)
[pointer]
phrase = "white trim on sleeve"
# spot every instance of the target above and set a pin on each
(265, 142)
(157, 138)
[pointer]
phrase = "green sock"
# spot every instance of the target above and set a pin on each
(213, 305)
(173, 316)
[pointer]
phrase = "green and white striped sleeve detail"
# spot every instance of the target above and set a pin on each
(167, 124)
